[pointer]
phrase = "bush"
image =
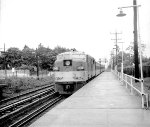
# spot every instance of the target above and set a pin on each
(18, 85)
(130, 71)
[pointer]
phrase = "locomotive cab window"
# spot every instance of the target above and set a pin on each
(67, 62)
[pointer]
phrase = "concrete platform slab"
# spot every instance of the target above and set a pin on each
(103, 102)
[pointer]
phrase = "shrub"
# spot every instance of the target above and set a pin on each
(18, 85)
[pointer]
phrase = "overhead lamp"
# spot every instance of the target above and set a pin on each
(121, 14)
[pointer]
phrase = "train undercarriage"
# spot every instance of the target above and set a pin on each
(68, 87)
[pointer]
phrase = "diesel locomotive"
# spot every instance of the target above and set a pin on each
(73, 69)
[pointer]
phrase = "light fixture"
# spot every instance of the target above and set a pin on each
(121, 14)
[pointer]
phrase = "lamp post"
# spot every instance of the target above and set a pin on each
(136, 61)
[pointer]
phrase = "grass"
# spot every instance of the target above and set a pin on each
(138, 84)
(17, 86)
(147, 81)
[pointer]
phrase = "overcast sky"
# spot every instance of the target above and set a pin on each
(82, 24)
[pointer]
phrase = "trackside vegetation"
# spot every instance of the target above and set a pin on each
(18, 85)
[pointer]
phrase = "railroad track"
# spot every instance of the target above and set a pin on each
(27, 118)
(22, 111)
(23, 95)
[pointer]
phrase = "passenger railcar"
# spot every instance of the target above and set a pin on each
(72, 70)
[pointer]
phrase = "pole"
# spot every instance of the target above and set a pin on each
(122, 63)
(116, 52)
(37, 62)
(141, 70)
(136, 52)
(136, 61)
(116, 39)
(100, 64)
(5, 62)
(113, 59)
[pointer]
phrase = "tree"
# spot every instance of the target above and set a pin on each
(58, 49)
(127, 59)
(130, 48)
(45, 57)
(28, 56)
(13, 57)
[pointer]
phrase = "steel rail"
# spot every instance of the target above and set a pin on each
(27, 99)
(23, 94)
(35, 113)
(24, 109)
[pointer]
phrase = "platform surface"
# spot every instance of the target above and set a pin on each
(103, 102)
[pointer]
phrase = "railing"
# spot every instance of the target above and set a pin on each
(128, 80)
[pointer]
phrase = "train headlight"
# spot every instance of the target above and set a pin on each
(55, 68)
(67, 63)
(80, 68)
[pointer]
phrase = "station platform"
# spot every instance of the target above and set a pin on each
(103, 102)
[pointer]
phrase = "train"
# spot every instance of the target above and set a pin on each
(73, 69)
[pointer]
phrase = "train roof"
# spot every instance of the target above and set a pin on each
(71, 53)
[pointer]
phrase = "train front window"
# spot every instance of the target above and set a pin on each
(67, 62)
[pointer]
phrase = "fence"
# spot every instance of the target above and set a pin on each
(128, 80)
(17, 73)
(42, 74)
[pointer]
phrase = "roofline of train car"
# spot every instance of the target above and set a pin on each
(77, 53)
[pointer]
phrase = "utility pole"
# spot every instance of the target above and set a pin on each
(100, 64)
(5, 65)
(116, 44)
(112, 60)
(136, 61)
(37, 62)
